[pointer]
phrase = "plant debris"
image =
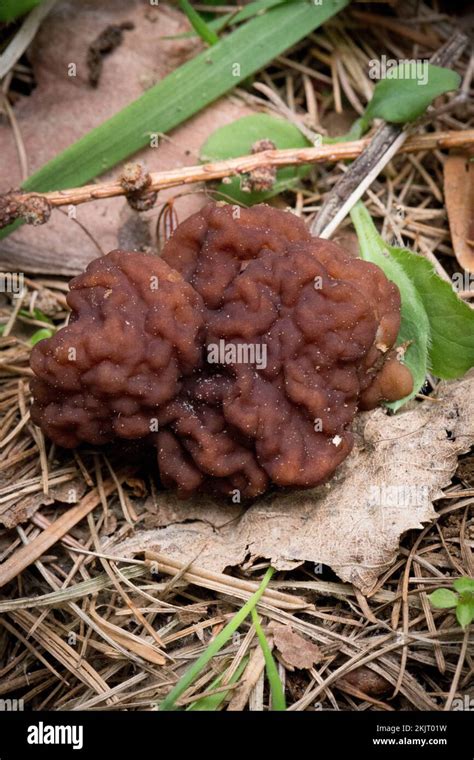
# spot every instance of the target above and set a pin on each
(354, 523)
(104, 44)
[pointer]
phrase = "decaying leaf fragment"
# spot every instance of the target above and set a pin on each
(459, 198)
(21, 507)
(294, 649)
(353, 524)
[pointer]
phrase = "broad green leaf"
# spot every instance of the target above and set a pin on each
(13, 9)
(439, 324)
(465, 613)
(408, 89)
(236, 139)
(451, 344)
(402, 97)
(464, 584)
(443, 598)
(414, 327)
(181, 94)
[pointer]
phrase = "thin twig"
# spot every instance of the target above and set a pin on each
(240, 165)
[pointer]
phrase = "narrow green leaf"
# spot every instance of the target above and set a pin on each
(464, 584)
(10, 10)
(37, 314)
(198, 23)
(237, 139)
(176, 98)
(221, 639)
(276, 688)
(247, 12)
(414, 326)
(443, 598)
(214, 701)
(408, 89)
(451, 345)
(465, 613)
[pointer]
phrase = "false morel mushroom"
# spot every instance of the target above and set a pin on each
(242, 353)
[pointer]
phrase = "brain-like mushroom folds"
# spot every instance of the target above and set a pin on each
(242, 353)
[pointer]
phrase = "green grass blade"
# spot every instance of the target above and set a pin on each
(199, 25)
(247, 12)
(37, 314)
(221, 639)
(276, 688)
(214, 701)
(13, 9)
(181, 94)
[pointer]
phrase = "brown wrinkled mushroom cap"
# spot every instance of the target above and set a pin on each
(302, 332)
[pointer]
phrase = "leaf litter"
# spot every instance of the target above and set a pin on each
(459, 195)
(353, 524)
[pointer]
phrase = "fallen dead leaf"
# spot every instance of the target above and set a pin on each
(295, 651)
(62, 109)
(386, 487)
(20, 510)
(459, 198)
(193, 615)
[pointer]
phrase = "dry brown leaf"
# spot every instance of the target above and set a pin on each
(62, 109)
(295, 651)
(386, 487)
(193, 615)
(20, 510)
(459, 198)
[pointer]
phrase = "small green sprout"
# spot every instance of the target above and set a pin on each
(41, 334)
(462, 598)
